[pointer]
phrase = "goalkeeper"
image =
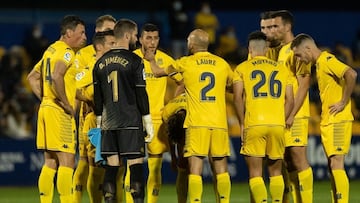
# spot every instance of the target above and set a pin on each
(122, 109)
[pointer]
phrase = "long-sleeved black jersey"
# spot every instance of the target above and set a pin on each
(119, 90)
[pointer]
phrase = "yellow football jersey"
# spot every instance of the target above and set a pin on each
(58, 51)
(206, 77)
(265, 84)
(156, 86)
(174, 106)
(286, 57)
(327, 68)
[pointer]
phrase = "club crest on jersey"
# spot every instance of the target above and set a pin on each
(67, 56)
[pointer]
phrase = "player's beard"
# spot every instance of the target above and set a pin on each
(132, 46)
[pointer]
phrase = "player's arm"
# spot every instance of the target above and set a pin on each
(59, 86)
(304, 85)
(289, 102)
(238, 98)
(98, 97)
(34, 80)
(350, 81)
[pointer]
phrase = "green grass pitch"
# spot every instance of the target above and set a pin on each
(239, 193)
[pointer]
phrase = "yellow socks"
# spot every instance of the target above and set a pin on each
(306, 185)
(294, 186)
(223, 187)
(276, 188)
(46, 184)
(342, 186)
(182, 185)
(258, 189)
(64, 183)
(154, 179)
(95, 180)
(79, 180)
(195, 188)
(120, 184)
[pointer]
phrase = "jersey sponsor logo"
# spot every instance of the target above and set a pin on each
(67, 56)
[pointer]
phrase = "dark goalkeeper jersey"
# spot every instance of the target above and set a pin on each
(117, 75)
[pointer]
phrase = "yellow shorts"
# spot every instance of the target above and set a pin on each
(298, 134)
(202, 141)
(85, 147)
(261, 141)
(55, 130)
(159, 144)
(336, 138)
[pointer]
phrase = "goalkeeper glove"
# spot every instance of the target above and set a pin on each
(148, 125)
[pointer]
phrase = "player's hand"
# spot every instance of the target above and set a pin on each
(148, 125)
(289, 121)
(67, 107)
(337, 107)
(149, 55)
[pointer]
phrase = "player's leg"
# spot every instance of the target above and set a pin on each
(95, 181)
(256, 181)
(219, 152)
(137, 181)
(64, 175)
(304, 174)
(182, 180)
(156, 148)
(82, 169)
(336, 139)
(275, 148)
(46, 178)
(120, 183)
(48, 170)
(128, 196)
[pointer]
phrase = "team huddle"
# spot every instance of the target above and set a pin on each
(105, 103)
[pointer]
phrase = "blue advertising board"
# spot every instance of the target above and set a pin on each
(20, 162)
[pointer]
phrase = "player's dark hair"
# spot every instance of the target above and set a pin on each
(149, 27)
(300, 38)
(175, 126)
(256, 35)
(70, 22)
(99, 37)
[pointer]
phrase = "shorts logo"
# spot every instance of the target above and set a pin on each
(65, 146)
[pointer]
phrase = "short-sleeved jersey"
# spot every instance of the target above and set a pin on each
(58, 51)
(296, 68)
(176, 104)
(116, 75)
(330, 76)
(83, 56)
(156, 86)
(84, 78)
(265, 84)
(206, 77)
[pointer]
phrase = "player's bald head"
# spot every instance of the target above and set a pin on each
(199, 38)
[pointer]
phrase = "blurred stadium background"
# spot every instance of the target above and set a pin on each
(336, 27)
